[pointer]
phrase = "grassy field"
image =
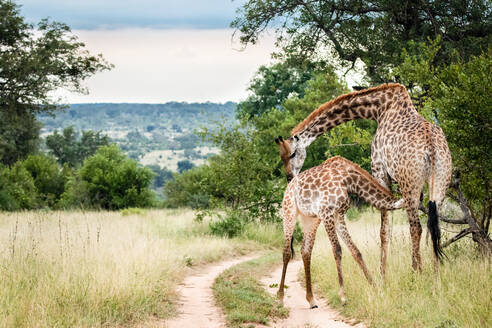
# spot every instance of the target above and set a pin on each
(461, 297)
(81, 269)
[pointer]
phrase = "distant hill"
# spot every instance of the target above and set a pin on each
(141, 129)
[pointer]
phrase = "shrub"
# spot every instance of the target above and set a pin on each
(110, 180)
(17, 189)
(229, 226)
(48, 178)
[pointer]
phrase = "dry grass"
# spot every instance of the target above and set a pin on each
(460, 298)
(81, 269)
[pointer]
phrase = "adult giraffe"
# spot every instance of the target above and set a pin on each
(406, 148)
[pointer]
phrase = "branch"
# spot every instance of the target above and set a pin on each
(460, 235)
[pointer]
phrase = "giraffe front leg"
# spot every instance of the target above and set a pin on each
(309, 226)
(287, 255)
(384, 234)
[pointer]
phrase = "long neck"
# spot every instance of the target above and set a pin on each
(365, 104)
(360, 182)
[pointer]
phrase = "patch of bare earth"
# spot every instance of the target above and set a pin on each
(197, 306)
(301, 315)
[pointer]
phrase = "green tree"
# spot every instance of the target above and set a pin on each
(273, 84)
(110, 180)
(17, 189)
(68, 149)
(48, 178)
(191, 188)
(374, 31)
(34, 61)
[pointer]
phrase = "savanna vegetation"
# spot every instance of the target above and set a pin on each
(69, 268)
(86, 269)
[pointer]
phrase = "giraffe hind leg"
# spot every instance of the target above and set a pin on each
(344, 234)
(289, 220)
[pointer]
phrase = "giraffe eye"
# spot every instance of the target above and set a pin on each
(293, 154)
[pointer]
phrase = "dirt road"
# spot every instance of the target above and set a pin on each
(197, 307)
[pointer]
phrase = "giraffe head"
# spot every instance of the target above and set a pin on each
(292, 155)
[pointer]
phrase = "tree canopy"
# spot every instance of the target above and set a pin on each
(34, 61)
(72, 149)
(374, 31)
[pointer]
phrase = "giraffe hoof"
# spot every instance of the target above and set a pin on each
(314, 306)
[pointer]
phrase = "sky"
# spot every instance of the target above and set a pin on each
(163, 50)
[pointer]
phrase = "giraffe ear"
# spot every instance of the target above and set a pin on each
(280, 139)
(277, 141)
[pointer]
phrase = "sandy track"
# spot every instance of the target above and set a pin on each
(197, 307)
(295, 300)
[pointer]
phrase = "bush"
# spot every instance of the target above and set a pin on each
(110, 180)
(229, 226)
(17, 189)
(48, 178)
(190, 188)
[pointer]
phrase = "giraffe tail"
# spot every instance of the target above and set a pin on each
(292, 247)
(435, 232)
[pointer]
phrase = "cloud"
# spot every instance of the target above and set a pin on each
(113, 14)
(156, 66)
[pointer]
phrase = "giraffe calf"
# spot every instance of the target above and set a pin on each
(320, 194)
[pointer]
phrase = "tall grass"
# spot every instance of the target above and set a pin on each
(460, 297)
(81, 269)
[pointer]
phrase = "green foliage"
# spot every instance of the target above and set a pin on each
(34, 61)
(17, 189)
(273, 84)
(464, 105)
(374, 31)
(71, 150)
(110, 180)
(180, 191)
(19, 134)
(48, 178)
(231, 225)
